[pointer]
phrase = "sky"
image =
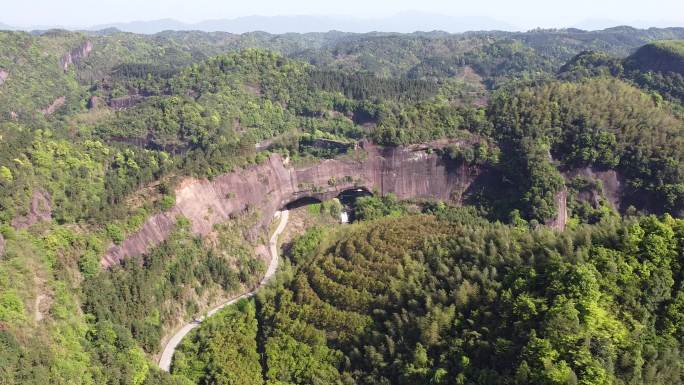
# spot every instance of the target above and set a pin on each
(525, 14)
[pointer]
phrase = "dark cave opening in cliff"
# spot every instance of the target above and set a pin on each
(349, 196)
(348, 199)
(301, 202)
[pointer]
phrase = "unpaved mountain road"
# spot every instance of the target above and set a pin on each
(170, 348)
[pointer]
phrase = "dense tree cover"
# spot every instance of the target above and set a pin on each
(598, 122)
(37, 78)
(47, 339)
(230, 356)
(456, 300)
(86, 180)
(444, 297)
(591, 64)
(367, 86)
(219, 108)
(662, 56)
(124, 294)
(373, 207)
(656, 67)
(437, 54)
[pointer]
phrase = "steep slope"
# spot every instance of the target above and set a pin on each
(661, 56)
(406, 172)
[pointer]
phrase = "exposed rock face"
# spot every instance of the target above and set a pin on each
(406, 172)
(3, 76)
(94, 103)
(40, 210)
(76, 55)
(125, 101)
(54, 106)
(2, 245)
(561, 219)
(610, 181)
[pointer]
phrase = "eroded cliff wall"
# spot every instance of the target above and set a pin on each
(406, 172)
(76, 55)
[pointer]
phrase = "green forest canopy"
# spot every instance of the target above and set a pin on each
(445, 297)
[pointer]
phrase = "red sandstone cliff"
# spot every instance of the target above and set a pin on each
(408, 173)
(76, 55)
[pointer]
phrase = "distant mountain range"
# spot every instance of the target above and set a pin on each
(5, 27)
(405, 22)
(598, 24)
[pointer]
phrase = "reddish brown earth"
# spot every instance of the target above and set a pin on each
(94, 103)
(40, 210)
(405, 172)
(76, 55)
(54, 106)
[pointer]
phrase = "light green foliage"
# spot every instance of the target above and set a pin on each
(115, 232)
(227, 345)
(167, 202)
(372, 207)
(11, 307)
(584, 124)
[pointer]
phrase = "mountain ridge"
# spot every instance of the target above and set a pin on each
(403, 22)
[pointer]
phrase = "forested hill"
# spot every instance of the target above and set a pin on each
(657, 67)
(37, 72)
(98, 131)
(662, 56)
(449, 299)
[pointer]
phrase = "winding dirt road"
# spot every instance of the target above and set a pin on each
(170, 348)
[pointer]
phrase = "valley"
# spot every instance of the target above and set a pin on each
(338, 208)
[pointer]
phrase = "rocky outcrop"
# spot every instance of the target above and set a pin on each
(610, 181)
(3, 76)
(405, 172)
(125, 101)
(94, 103)
(2, 246)
(54, 106)
(76, 55)
(40, 209)
(561, 219)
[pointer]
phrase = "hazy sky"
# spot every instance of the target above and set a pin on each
(523, 13)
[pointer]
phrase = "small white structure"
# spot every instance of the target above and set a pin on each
(344, 217)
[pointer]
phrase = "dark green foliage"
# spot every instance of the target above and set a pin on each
(662, 56)
(598, 122)
(123, 294)
(591, 64)
(421, 301)
(362, 86)
(657, 67)
(442, 298)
